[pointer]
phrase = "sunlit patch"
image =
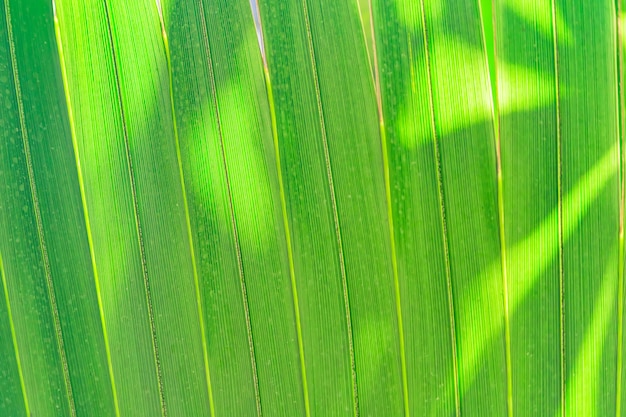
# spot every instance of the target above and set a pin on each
(410, 14)
(543, 243)
(203, 157)
(538, 14)
(100, 148)
(411, 130)
(622, 28)
(251, 199)
(373, 340)
(521, 89)
(582, 394)
(461, 92)
(247, 171)
(413, 125)
(460, 98)
(575, 205)
(143, 73)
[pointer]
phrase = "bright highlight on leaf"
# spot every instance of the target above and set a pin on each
(515, 93)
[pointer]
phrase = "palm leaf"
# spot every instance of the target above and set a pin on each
(389, 208)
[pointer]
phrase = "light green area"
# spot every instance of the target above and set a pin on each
(590, 363)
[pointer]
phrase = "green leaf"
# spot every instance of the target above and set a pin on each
(390, 208)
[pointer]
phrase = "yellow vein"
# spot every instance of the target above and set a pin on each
(495, 114)
(196, 280)
(13, 336)
(620, 291)
(38, 220)
(392, 236)
(369, 53)
(81, 185)
(559, 206)
(442, 209)
(242, 282)
(283, 203)
(138, 230)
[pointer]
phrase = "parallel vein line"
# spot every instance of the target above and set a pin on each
(38, 219)
(81, 185)
(620, 291)
(242, 282)
(502, 231)
(442, 212)
(14, 338)
(560, 205)
(205, 352)
(138, 229)
(392, 237)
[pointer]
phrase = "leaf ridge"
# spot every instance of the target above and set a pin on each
(620, 291)
(394, 258)
(502, 231)
(240, 268)
(37, 213)
(14, 337)
(140, 241)
(442, 212)
(560, 202)
(85, 212)
(187, 216)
